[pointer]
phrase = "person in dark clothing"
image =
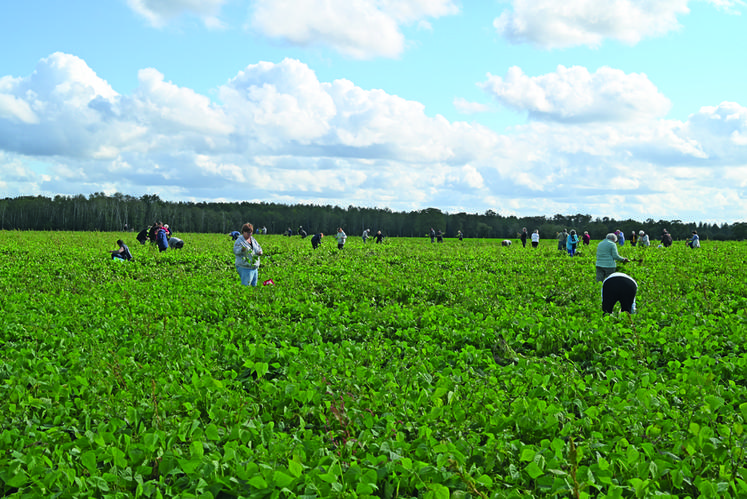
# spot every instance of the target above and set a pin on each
(379, 237)
(439, 236)
(460, 235)
(524, 236)
(302, 232)
(234, 234)
(142, 236)
(122, 253)
(153, 231)
(619, 287)
(316, 240)
(433, 235)
(666, 239)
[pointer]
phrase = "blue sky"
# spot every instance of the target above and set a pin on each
(618, 108)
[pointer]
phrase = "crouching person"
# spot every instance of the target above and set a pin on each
(123, 253)
(619, 287)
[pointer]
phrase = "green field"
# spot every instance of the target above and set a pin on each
(406, 369)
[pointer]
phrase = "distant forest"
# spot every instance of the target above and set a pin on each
(120, 212)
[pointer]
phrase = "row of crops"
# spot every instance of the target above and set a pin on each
(397, 370)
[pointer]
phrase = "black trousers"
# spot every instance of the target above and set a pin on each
(619, 289)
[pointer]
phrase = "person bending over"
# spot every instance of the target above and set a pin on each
(619, 287)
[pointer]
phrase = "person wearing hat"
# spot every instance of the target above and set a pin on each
(619, 287)
(607, 257)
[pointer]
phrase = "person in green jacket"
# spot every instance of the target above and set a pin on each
(607, 257)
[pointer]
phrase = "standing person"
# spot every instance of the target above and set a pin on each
(571, 243)
(433, 235)
(122, 253)
(162, 238)
(586, 238)
(619, 287)
(365, 235)
(460, 235)
(316, 240)
(379, 237)
(607, 256)
(341, 237)
(247, 251)
(632, 238)
(562, 237)
(289, 232)
(643, 239)
(535, 238)
(694, 241)
(620, 237)
(439, 236)
(666, 239)
(524, 235)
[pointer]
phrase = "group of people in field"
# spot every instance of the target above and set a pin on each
(158, 233)
(617, 287)
(247, 250)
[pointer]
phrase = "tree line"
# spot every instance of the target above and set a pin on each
(121, 212)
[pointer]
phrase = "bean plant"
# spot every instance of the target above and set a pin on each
(396, 370)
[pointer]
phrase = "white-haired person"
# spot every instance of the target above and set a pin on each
(607, 257)
(643, 239)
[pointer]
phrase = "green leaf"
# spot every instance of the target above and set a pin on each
(295, 468)
(534, 470)
(211, 432)
(485, 480)
(282, 479)
(437, 491)
(527, 454)
(89, 461)
(257, 482)
(197, 449)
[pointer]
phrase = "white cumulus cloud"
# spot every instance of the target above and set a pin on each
(276, 132)
(575, 95)
(554, 24)
(360, 29)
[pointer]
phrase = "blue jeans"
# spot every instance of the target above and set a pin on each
(248, 276)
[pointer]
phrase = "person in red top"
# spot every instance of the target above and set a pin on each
(586, 238)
